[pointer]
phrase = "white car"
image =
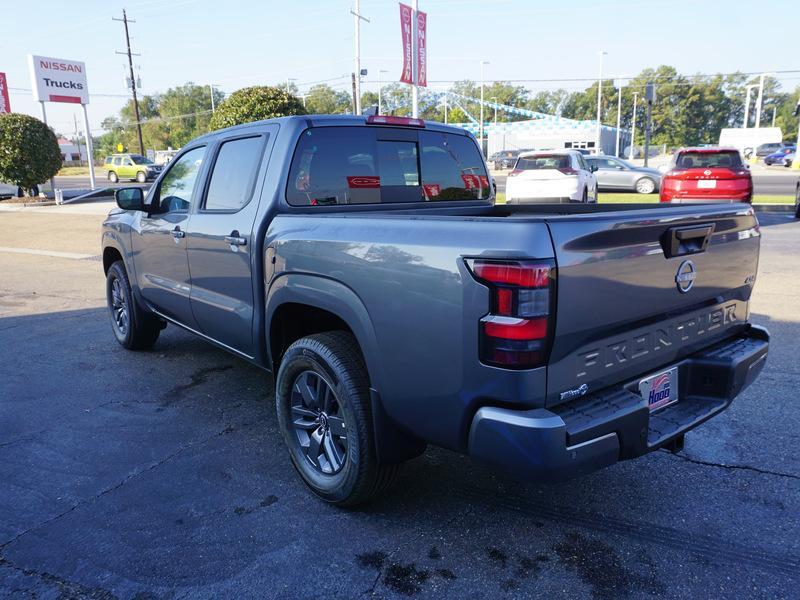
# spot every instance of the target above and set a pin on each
(551, 176)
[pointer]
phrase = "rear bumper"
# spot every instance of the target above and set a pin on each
(615, 424)
(543, 200)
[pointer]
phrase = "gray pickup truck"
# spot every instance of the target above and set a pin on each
(363, 261)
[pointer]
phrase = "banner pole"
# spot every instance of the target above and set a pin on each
(414, 53)
(52, 180)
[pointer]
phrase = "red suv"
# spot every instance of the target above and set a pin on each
(702, 174)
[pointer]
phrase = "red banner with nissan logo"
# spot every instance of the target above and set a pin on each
(422, 57)
(405, 29)
(5, 103)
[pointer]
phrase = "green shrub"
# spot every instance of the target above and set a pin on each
(29, 152)
(254, 104)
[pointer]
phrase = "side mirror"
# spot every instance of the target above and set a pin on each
(593, 168)
(130, 198)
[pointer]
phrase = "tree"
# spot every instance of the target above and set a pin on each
(322, 99)
(255, 103)
(29, 152)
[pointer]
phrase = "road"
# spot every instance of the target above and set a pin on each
(772, 183)
(162, 474)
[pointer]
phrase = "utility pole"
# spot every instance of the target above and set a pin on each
(650, 97)
(357, 18)
(494, 100)
(211, 89)
(445, 108)
(353, 80)
(130, 54)
(597, 140)
(289, 81)
(633, 125)
(78, 139)
(773, 116)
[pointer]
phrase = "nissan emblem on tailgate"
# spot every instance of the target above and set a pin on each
(686, 276)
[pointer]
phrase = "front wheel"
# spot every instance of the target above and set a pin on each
(141, 177)
(645, 185)
(133, 328)
(323, 404)
(113, 177)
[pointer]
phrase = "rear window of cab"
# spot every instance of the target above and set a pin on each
(379, 165)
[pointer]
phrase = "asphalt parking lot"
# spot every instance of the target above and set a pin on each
(162, 474)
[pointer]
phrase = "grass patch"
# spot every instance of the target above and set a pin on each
(623, 198)
(73, 171)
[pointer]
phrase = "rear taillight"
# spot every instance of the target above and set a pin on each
(518, 329)
(515, 172)
(568, 171)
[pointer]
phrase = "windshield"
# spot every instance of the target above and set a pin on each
(703, 160)
(138, 159)
(548, 161)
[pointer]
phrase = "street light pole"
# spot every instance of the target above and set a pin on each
(480, 129)
(211, 89)
(619, 115)
(633, 125)
(602, 53)
(357, 72)
(445, 108)
(380, 91)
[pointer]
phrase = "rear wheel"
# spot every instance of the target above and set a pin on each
(134, 328)
(141, 177)
(323, 405)
(585, 196)
(112, 177)
(645, 185)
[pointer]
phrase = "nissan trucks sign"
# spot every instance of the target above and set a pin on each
(58, 80)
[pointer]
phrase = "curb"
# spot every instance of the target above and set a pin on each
(777, 208)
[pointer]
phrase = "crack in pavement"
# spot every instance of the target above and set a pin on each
(706, 463)
(66, 588)
(153, 466)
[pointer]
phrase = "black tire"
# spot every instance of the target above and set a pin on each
(141, 177)
(645, 185)
(112, 177)
(585, 197)
(134, 328)
(333, 358)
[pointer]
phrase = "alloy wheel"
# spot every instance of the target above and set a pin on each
(645, 186)
(318, 423)
(119, 307)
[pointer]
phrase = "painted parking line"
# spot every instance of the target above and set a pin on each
(52, 253)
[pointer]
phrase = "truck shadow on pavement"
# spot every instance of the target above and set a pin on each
(148, 473)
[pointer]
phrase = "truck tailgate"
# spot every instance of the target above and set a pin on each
(628, 302)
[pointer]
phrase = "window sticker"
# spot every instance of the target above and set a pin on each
(363, 181)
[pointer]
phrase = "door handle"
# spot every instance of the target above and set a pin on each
(234, 239)
(177, 233)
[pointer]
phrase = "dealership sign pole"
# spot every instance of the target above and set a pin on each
(60, 80)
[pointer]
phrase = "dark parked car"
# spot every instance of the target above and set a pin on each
(763, 150)
(362, 261)
(616, 174)
(505, 159)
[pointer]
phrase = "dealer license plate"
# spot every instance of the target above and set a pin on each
(660, 390)
(707, 183)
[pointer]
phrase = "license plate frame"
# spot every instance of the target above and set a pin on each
(707, 184)
(660, 389)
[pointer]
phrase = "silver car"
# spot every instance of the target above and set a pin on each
(616, 174)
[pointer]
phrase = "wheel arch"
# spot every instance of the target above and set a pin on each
(300, 304)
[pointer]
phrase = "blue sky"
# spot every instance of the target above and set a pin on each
(234, 43)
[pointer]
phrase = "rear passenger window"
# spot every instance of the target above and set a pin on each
(233, 178)
(371, 165)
